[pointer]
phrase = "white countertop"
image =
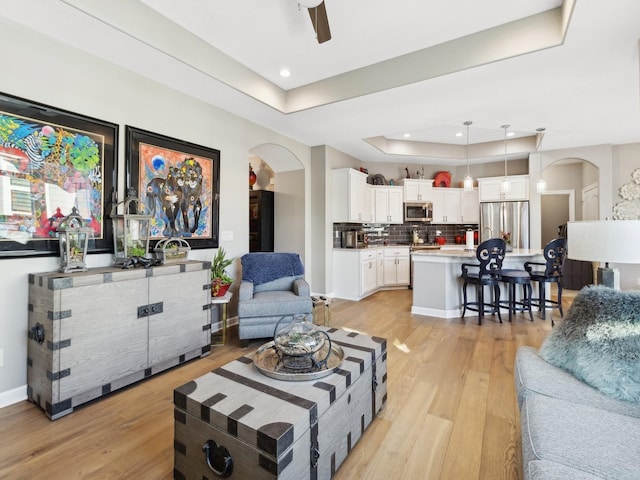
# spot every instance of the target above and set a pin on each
(424, 255)
(372, 247)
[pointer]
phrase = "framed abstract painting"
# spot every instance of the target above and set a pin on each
(178, 183)
(52, 160)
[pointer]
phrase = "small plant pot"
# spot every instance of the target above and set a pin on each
(218, 289)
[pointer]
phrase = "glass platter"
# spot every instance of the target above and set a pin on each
(267, 362)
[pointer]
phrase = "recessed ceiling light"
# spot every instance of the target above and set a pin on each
(510, 134)
(458, 134)
(285, 73)
(406, 135)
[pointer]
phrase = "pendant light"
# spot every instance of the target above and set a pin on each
(468, 180)
(541, 186)
(505, 185)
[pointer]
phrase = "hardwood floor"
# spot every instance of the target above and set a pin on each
(451, 411)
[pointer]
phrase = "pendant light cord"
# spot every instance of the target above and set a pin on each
(468, 123)
(505, 149)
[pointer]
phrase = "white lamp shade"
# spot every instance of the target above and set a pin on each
(614, 241)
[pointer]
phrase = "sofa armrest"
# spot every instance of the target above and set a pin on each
(246, 291)
(534, 375)
(301, 287)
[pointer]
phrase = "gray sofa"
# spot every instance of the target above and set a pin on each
(272, 287)
(571, 430)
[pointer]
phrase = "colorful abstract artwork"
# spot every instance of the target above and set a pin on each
(178, 183)
(50, 162)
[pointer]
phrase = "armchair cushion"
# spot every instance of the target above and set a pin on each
(274, 303)
(284, 283)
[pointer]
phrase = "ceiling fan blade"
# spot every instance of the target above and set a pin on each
(320, 22)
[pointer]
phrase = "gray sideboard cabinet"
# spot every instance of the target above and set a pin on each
(93, 332)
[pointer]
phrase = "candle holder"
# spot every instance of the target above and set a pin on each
(73, 240)
(130, 230)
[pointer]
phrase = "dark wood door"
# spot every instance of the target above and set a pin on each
(261, 221)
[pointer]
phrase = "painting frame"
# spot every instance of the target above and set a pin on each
(178, 182)
(52, 155)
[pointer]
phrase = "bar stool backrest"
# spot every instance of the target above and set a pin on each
(554, 254)
(490, 254)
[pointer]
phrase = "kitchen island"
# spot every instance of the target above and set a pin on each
(437, 286)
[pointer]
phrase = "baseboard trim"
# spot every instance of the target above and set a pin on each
(13, 396)
(217, 326)
(433, 312)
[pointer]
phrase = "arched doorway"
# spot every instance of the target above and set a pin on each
(282, 172)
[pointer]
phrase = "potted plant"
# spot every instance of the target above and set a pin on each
(220, 280)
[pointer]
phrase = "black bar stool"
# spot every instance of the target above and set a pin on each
(554, 254)
(513, 278)
(490, 254)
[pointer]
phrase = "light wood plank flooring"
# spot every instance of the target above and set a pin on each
(451, 411)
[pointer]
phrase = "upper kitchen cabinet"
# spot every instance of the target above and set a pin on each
(351, 200)
(469, 206)
(388, 204)
(489, 188)
(417, 190)
(446, 205)
(454, 205)
(369, 207)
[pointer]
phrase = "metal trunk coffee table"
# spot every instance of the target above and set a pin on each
(237, 422)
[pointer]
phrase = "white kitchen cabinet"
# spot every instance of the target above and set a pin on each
(349, 196)
(355, 272)
(369, 206)
(489, 188)
(388, 204)
(368, 272)
(396, 266)
(379, 267)
(416, 190)
(358, 273)
(446, 205)
(469, 206)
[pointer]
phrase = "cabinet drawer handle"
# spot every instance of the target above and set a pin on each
(315, 455)
(37, 333)
(218, 459)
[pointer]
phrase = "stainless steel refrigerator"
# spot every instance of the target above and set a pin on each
(505, 219)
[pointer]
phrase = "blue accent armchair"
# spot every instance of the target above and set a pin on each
(272, 286)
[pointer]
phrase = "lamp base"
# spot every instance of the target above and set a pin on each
(609, 277)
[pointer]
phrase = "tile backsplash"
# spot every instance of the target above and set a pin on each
(379, 234)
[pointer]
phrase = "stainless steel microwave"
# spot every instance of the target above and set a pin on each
(418, 211)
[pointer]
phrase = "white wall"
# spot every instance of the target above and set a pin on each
(57, 75)
(626, 159)
(289, 206)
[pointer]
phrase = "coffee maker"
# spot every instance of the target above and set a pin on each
(353, 239)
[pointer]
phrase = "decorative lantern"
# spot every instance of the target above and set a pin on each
(130, 230)
(74, 240)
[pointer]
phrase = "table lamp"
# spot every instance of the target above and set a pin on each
(604, 241)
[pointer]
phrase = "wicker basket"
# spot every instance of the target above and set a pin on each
(171, 250)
